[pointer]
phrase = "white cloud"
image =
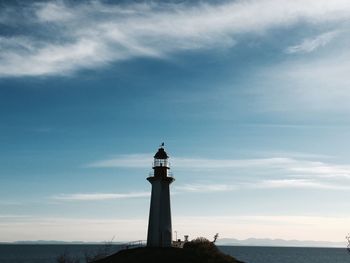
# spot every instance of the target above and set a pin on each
(10, 203)
(145, 161)
(192, 188)
(126, 160)
(9, 216)
(297, 183)
(53, 12)
(204, 163)
(265, 173)
(309, 84)
(289, 163)
(204, 188)
(99, 196)
(321, 169)
(93, 34)
(311, 44)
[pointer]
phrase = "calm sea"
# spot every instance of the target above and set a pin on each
(49, 253)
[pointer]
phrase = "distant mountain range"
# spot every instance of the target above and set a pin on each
(277, 243)
(220, 242)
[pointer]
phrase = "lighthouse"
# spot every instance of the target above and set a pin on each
(159, 224)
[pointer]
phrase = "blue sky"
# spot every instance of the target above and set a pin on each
(250, 97)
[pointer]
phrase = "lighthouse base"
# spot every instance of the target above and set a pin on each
(159, 225)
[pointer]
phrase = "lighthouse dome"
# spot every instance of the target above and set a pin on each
(161, 154)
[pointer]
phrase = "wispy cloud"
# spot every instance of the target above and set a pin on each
(206, 163)
(291, 164)
(145, 160)
(209, 187)
(309, 83)
(9, 216)
(206, 188)
(126, 160)
(10, 203)
(263, 173)
(297, 183)
(311, 44)
(294, 183)
(321, 169)
(99, 196)
(69, 36)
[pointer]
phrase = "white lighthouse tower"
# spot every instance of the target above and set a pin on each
(159, 224)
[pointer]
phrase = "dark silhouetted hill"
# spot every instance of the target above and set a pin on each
(197, 251)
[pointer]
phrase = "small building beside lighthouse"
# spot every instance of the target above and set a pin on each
(159, 224)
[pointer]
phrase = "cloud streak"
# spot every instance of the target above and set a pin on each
(309, 82)
(311, 44)
(99, 196)
(141, 160)
(144, 161)
(204, 188)
(319, 168)
(186, 188)
(256, 173)
(68, 37)
(296, 183)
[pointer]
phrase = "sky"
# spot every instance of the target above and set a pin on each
(251, 98)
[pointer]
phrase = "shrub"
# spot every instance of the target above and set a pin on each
(201, 243)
